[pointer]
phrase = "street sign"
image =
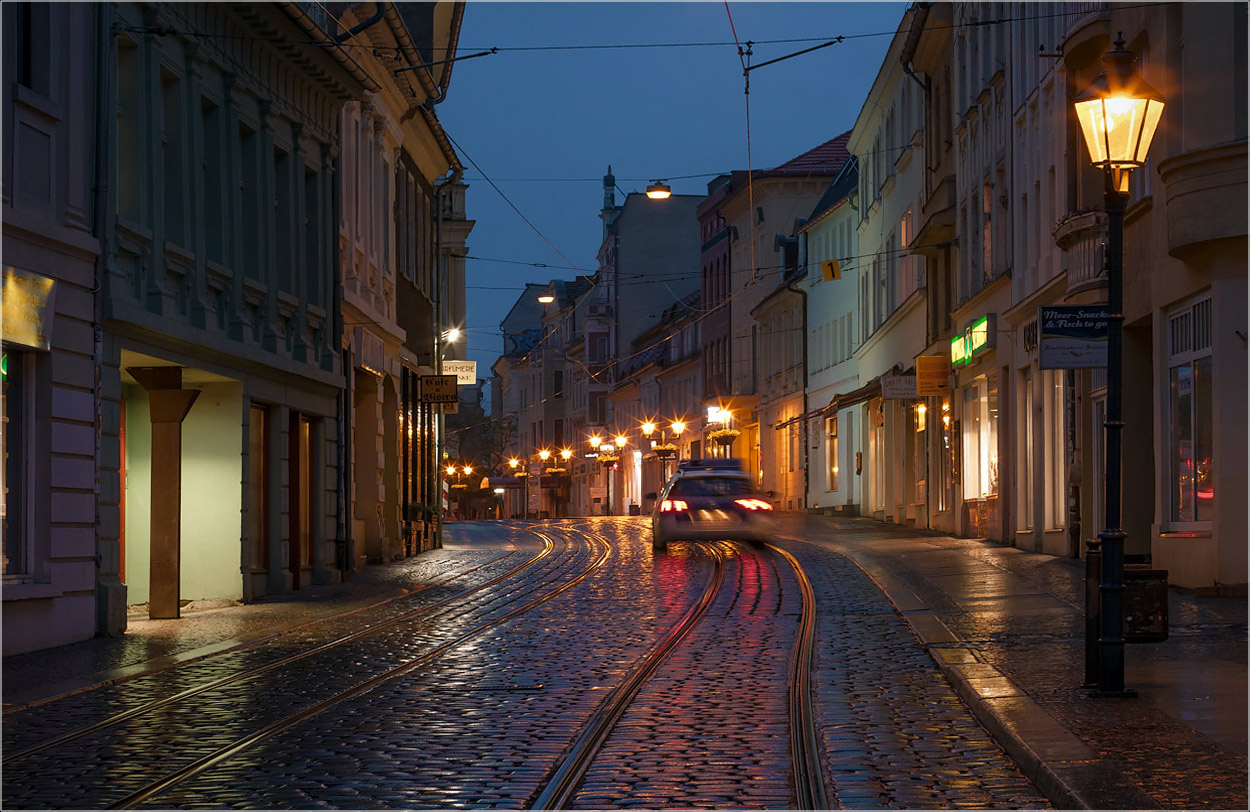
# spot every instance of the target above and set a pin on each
(438, 389)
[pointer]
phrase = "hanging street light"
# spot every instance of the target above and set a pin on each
(659, 190)
(1118, 114)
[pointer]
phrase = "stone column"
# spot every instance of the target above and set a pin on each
(169, 404)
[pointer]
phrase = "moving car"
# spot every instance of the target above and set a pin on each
(710, 499)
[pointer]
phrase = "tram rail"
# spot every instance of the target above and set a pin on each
(205, 763)
(547, 550)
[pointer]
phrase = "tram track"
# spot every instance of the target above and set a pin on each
(407, 595)
(808, 779)
(809, 784)
(562, 785)
(203, 764)
(547, 550)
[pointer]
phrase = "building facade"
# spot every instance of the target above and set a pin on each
(52, 260)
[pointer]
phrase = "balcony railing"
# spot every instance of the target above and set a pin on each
(1082, 236)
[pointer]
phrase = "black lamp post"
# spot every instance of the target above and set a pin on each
(1118, 115)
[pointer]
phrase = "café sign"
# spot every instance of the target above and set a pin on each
(978, 337)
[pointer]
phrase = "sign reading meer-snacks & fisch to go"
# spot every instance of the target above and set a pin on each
(1072, 336)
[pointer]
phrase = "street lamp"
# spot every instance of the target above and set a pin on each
(659, 190)
(1118, 114)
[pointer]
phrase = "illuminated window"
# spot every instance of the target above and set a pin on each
(1191, 446)
(831, 451)
(14, 434)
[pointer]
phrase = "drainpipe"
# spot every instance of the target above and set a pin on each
(807, 476)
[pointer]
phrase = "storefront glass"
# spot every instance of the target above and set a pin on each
(12, 440)
(980, 438)
(831, 451)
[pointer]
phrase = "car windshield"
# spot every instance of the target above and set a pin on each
(710, 486)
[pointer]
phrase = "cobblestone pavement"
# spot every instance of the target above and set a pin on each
(1008, 627)
(485, 723)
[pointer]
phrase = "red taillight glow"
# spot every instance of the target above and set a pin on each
(673, 506)
(753, 504)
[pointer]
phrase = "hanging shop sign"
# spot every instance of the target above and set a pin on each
(978, 337)
(933, 375)
(1072, 336)
(898, 387)
(26, 315)
(465, 371)
(438, 389)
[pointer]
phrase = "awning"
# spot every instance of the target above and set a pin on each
(806, 416)
(865, 393)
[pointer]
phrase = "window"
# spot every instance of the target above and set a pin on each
(1026, 450)
(29, 52)
(214, 214)
(831, 453)
(920, 451)
(1191, 447)
(172, 139)
(980, 430)
(1053, 443)
(15, 409)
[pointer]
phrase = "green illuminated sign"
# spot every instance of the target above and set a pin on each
(977, 337)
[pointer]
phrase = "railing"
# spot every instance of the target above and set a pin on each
(1082, 235)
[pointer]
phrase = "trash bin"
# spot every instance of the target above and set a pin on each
(635, 510)
(1145, 605)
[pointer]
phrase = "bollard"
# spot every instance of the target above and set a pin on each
(1093, 605)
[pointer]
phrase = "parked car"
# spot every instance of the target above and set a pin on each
(710, 499)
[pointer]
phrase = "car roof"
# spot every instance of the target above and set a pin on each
(711, 468)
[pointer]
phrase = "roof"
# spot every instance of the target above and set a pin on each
(826, 159)
(839, 188)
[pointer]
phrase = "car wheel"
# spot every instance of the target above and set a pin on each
(657, 544)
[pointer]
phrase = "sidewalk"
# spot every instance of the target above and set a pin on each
(1007, 629)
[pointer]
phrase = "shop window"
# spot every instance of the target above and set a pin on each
(1191, 446)
(980, 438)
(920, 450)
(1053, 442)
(950, 432)
(15, 414)
(1025, 477)
(831, 453)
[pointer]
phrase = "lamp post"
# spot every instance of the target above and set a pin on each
(514, 463)
(1118, 114)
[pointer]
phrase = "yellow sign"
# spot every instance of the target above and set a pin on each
(979, 336)
(831, 270)
(27, 312)
(933, 375)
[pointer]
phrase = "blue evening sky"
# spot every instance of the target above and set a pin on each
(544, 125)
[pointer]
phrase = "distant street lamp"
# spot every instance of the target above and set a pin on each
(659, 190)
(546, 298)
(1118, 114)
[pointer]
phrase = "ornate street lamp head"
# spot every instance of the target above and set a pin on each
(1118, 113)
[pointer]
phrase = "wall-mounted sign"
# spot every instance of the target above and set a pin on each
(369, 351)
(465, 371)
(1072, 336)
(28, 307)
(979, 336)
(898, 387)
(933, 375)
(438, 388)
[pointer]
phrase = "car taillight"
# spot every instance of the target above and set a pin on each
(673, 506)
(753, 504)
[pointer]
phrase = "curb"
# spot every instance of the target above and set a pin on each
(1062, 767)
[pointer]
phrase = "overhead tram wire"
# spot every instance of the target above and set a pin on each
(380, 49)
